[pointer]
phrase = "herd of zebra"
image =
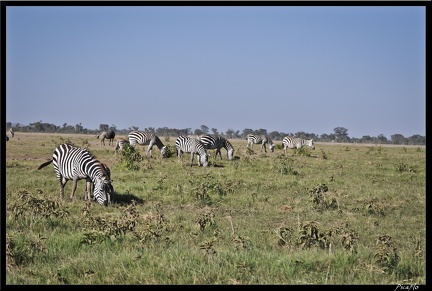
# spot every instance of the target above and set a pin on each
(74, 163)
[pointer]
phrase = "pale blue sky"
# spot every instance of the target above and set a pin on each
(285, 68)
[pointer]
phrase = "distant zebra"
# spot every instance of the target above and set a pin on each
(11, 131)
(193, 146)
(73, 163)
(295, 142)
(109, 134)
(262, 139)
(217, 142)
(147, 138)
(120, 144)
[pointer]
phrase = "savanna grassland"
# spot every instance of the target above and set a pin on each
(342, 214)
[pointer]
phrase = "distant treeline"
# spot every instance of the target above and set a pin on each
(340, 134)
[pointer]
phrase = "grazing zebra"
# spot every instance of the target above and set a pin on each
(262, 139)
(193, 146)
(109, 134)
(217, 142)
(147, 138)
(294, 142)
(110, 189)
(11, 131)
(120, 144)
(73, 163)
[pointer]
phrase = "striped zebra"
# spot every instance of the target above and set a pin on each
(193, 146)
(109, 134)
(295, 142)
(120, 144)
(73, 163)
(110, 189)
(262, 139)
(12, 133)
(147, 138)
(217, 142)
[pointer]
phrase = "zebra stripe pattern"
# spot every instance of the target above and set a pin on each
(73, 163)
(120, 144)
(110, 134)
(147, 138)
(295, 142)
(261, 139)
(109, 187)
(217, 142)
(11, 131)
(193, 146)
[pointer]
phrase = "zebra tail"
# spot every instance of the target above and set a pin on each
(45, 164)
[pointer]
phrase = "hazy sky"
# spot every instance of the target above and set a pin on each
(284, 68)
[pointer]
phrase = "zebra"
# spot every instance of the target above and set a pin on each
(110, 189)
(120, 144)
(11, 131)
(73, 163)
(109, 134)
(262, 139)
(193, 146)
(147, 138)
(217, 142)
(7, 138)
(295, 142)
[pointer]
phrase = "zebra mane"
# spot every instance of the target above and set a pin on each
(105, 170)
(158, 143)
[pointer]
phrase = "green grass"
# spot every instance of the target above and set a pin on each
(342, 214)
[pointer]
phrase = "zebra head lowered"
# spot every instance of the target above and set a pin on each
(260, 139)
(73, 163)
(193, 146)
(211, 142)
(108, 186)
(310, 143)
(147, 138)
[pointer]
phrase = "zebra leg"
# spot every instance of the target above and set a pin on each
(192, 158)
(74, 186)
(218, 151)
(62, 182)
(149, 149)
(179, 154)
(89, 189)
